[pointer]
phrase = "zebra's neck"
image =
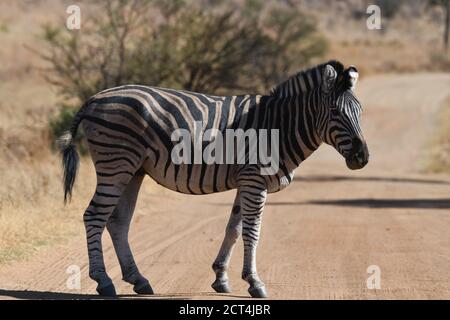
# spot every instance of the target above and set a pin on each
(295, 118)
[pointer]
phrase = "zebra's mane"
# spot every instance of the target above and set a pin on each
(305, 80)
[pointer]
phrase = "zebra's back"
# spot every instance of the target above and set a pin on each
(131, 127)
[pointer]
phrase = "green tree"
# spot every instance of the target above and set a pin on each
(389, 8)
(218, 48)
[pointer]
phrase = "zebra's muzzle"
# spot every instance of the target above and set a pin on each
(359, 155)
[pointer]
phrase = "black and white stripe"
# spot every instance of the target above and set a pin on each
(128, 131)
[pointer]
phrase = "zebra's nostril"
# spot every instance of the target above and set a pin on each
(360, 158)
(359, 153)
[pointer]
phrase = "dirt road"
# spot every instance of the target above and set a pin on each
(319, 236)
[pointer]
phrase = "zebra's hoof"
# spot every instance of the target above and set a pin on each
(145, 288)
(108, 291)
(258, 292)
(221, 287)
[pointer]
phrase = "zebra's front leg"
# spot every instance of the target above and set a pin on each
(232, 234)
(118, 226)
(253, 199)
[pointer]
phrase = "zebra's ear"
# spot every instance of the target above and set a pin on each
(352, 76)
(329, 76)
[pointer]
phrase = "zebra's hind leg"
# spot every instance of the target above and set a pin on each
(232, 234)
(118, 226)
(96, 216)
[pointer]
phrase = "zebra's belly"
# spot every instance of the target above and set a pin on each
(203, 178)
(193, 179)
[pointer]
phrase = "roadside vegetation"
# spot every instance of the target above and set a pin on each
(219, 48)
(439, 153)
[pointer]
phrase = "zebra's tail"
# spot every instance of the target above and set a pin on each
(69, 154)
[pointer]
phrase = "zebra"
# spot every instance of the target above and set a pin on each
(128, 132)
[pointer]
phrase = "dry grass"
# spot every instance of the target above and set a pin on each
(410, 42)
(439, 153)
(32, 213)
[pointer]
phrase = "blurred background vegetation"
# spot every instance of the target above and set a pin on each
(211, 48)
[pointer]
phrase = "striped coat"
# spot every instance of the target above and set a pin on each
(129, 132)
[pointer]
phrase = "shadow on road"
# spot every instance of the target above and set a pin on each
(47, 295)
(324, 178)
(374, 203)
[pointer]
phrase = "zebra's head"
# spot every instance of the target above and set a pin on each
(340, 113)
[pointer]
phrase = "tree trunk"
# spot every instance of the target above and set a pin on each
(447, 23)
